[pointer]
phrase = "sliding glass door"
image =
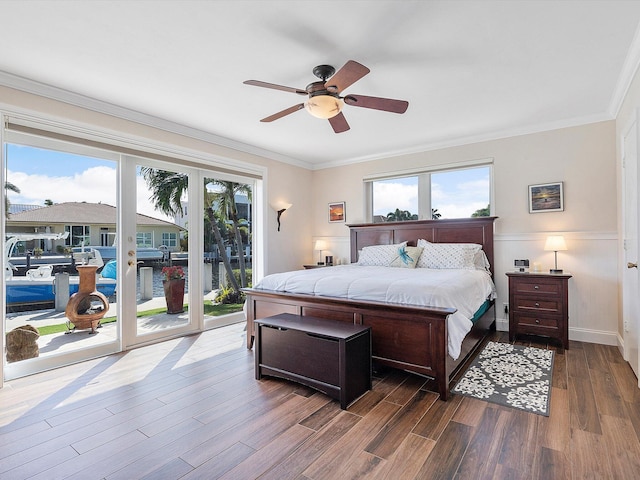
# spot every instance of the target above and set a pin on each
(228, 247)
(60, 307)
(163, 257)
(106, 250)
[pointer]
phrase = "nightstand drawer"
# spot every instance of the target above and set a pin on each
(522, 320)
(538, 304)
(537, 286)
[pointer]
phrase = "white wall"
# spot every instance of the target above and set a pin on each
(583, 157)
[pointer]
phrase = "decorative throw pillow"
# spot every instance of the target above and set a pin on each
(406, 257)
(379, 255)
(448, 255)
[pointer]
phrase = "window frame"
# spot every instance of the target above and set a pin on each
(86, 235)
(144, 235)
(169, 239)
(424, 185)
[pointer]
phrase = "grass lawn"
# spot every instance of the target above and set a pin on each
(210, 309)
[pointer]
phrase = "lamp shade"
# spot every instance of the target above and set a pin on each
(320, 245)
(555, 243)
(281, 205)
(324, 106)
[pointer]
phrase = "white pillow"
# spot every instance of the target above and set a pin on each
(481, 261)
(448, 255)
(379, 255)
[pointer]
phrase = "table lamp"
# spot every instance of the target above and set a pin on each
(320, 245)
(555, 243)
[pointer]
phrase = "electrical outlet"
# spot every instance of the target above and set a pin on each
(506, 307)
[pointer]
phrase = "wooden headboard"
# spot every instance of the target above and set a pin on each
(460, 230)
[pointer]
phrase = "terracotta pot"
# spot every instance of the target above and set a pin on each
(174, 295)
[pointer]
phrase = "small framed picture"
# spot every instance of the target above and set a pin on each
(546, 197)
(337, 212)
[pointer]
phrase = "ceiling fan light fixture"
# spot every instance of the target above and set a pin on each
(324, 106)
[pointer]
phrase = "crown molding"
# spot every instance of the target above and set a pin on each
(629, 69)
(485, 137)
(61, 95)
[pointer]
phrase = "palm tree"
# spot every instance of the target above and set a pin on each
(168, 189)
(401, 216)
(225, 199)
(7, 203)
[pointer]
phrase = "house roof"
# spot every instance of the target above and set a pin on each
(79, 213)
(21, 207)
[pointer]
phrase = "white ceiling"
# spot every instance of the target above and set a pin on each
(470, 70)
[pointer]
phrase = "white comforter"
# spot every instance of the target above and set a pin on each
(464, 290)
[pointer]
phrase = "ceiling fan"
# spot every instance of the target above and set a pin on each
(324, 100)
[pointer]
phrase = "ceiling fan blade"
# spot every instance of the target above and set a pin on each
(377, 103)
(258, 83)
(283, 113)
(339, 123)
(349, 74)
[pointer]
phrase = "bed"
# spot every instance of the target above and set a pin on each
(410, 337)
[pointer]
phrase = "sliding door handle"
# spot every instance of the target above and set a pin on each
(632, 265)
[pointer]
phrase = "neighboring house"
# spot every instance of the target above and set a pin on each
(21, 207)
(242, 203)
(91, 224)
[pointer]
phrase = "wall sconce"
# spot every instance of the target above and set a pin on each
(555, 243)
(320, 245)
(280, 207)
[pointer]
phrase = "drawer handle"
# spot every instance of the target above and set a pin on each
(537, 320)
(536, 287)
(537, 304)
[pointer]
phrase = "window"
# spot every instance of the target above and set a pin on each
(454, 193)
(79, 235)
(395, 199)
(144, 239)
(170, 239)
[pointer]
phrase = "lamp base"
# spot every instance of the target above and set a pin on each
(555, 270)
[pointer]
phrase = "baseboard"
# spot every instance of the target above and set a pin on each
(579, 335)
(502, 324)
(594, 336)
(620, 346)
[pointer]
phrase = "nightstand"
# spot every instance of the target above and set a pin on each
(307, 267)
(539, 305)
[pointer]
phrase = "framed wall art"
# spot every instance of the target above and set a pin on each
(337, 212)
(546, 197)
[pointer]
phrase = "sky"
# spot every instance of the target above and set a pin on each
(455, 194)
(64, 177)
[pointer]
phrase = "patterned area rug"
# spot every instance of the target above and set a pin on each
(510, 375)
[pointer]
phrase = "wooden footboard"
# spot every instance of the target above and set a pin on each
(405, 337)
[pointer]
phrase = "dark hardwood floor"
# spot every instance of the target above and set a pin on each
(191, 408)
